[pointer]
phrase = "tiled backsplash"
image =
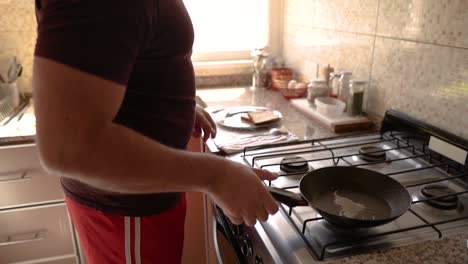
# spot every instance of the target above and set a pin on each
(414, 53)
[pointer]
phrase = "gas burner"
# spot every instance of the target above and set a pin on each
(445, 203)
(373, 154)
(299, 165)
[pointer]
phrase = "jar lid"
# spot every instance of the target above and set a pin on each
(319, 81)
(358, 82)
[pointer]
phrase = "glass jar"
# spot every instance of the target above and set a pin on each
(356, 97)
(343, 93)
(317, 88)
(334, 84)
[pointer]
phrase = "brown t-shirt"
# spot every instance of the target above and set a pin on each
(143, 44)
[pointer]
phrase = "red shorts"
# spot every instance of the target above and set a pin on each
(107, 238)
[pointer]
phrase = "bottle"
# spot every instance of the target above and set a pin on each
(317, 88)
(343, 93)
(356, 97)
(325, 73)
(334, 84)
(260, 72)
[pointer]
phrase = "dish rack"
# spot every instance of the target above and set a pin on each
(10, 103)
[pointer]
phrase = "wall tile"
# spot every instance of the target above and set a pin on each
(21, 44)
(434, 21)
(18, 36)
(304, 46)
(18, 15)
(351, 16)
(426, 81)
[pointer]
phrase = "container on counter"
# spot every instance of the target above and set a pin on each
(317, 88)
(356, 97)
(280, 77)
(334, 84)
(329, 106)
(343, 93)
(325, 72)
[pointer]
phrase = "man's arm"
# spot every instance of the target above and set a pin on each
(77, 138)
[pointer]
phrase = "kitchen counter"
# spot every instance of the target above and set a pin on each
(297, 123)
(452, 249)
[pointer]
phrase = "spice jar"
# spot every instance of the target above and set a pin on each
(343, 93)
(356, 97)
(334, 84)
(317, 88)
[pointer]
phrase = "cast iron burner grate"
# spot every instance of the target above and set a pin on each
(373, 154)
(446, 202)
(294, 164)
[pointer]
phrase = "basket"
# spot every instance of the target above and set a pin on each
(290, 93)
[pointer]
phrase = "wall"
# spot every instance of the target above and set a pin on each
(18, 35)
(414, 53)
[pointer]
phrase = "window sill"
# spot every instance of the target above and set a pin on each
(218, 68)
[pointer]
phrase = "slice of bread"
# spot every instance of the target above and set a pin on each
(261, 117)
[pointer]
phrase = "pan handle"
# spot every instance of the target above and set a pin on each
(286, 197)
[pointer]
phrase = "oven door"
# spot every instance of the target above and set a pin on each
(226, 244)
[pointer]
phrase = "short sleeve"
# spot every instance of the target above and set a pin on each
(98, 37)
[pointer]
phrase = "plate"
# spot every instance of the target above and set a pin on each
(231, 117)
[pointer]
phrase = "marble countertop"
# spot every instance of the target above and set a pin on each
(453, 249)
(296, 122)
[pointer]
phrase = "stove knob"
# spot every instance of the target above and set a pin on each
(247, 248)
(238, 230)
(258, 260)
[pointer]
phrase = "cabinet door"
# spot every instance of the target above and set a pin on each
(35, 233)
(22, 181)
(18, 158)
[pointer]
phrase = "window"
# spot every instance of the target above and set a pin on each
(230, 29)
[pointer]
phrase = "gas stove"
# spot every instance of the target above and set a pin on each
(429, 162)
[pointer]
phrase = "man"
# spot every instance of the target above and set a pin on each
(114, 100)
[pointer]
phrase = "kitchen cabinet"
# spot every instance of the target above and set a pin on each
(35, 232)
(34, 222)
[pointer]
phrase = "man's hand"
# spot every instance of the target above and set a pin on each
(241, 195)
(203, 122)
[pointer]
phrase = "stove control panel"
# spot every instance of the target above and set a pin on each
(252, 245)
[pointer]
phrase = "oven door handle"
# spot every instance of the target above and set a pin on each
(223, 225)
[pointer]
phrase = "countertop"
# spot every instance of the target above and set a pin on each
(452, 249)
(297, 123)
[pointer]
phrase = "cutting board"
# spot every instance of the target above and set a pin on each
(340, 124)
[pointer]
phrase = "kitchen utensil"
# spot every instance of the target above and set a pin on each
(10, 69)
(329, 106)
(14, 73)
(231, 117)
(273, 132)
(349, 196)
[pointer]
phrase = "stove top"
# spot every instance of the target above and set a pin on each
(437, 184)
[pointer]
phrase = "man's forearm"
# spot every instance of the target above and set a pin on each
(119, 159)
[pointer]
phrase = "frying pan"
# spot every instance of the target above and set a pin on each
(348, 196)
